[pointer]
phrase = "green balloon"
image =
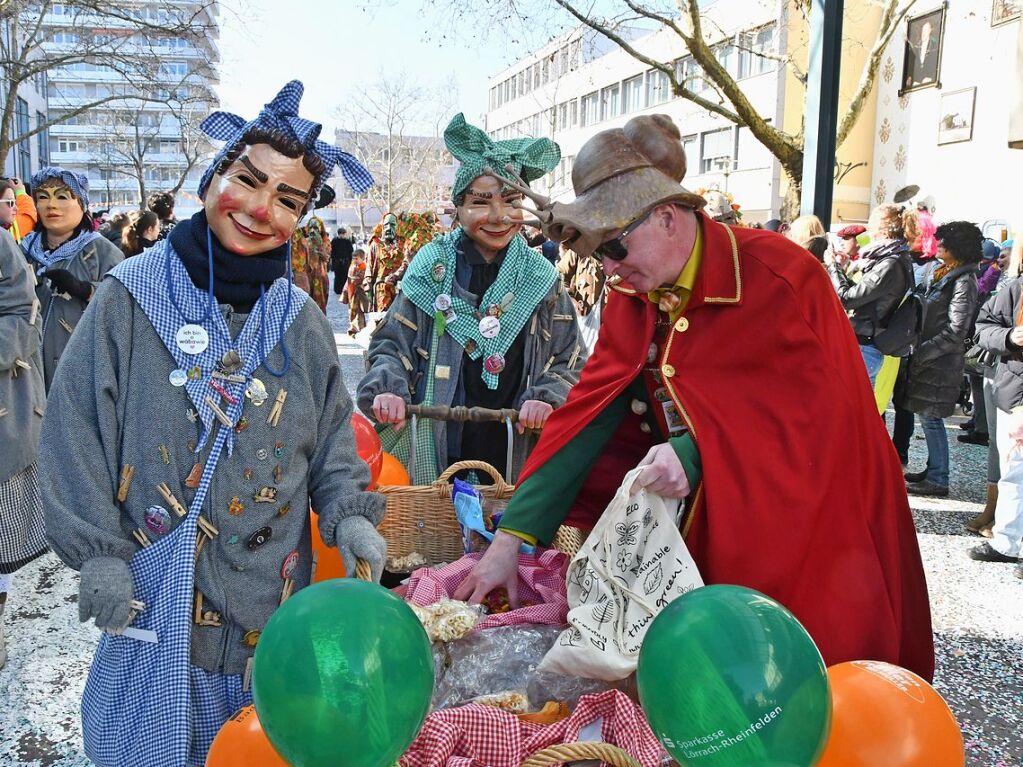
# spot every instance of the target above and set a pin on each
(343, 676)
(728, 677)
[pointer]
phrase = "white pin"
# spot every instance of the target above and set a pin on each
(490, 327)
(192, 339)
(442, 303)
(178, 377)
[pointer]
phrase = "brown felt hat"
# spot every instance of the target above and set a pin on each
(618, 175)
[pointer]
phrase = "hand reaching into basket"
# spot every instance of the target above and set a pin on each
(389, 408)
(498, 567)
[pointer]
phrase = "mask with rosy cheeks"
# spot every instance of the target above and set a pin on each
(256, 204)
(59, 210)
(487, 214)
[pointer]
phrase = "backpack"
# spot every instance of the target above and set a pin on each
(901, 331)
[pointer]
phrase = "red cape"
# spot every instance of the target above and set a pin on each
(802, 496)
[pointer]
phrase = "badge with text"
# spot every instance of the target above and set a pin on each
(490, 327)
(192, 339)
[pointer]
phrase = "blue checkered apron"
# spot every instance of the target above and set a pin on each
(145, 705)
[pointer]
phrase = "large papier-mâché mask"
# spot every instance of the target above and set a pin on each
(488, 214)
(255, 205)
(390, 228)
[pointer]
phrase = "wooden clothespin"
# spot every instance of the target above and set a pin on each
(220, 414)
(247, 678)
(141, 537)
(64, 324)
(204, 617)
(194, 477)
(127, 475)
(173, 502)
(200, 541)
(207, 527)
(275, 412)
(289, 587)
(3, 411)
(230, 377)
(19, 364)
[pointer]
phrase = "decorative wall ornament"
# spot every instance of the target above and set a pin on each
(880, 192)
(885, 131)
(900, 158)
(889, 69)
(903, 102)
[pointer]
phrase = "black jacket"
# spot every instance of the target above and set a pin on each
(936, 366)
(994, 324)
(341, 250)
(886, 275)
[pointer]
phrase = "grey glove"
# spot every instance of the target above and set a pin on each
(357, 538)
(105, 593)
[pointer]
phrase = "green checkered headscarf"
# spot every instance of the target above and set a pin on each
(474, 149)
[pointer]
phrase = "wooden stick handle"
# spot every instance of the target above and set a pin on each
(463, 414)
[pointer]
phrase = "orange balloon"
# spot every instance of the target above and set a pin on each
(885, 715)
(392, 472)
(327, 558)
(241, 742)
(367, 445)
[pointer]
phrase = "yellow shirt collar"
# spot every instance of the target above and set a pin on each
(673, 300)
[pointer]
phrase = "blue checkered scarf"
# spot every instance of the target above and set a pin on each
(282, 114)
(76, 182)
(32, 244)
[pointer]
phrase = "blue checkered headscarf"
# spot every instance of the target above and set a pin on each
(76, 182)
(282, 114)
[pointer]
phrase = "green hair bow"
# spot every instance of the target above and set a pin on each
(474, 150)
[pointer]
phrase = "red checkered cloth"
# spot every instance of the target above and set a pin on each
(541, 580)
(481, 736)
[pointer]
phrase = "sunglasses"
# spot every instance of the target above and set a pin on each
(9, 203)
(614, 249)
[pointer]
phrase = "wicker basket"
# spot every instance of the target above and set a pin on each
(421, 519)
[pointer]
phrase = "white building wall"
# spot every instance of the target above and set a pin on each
(975, 180)
(753, 175)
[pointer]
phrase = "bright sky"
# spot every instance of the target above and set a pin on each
(336, 47)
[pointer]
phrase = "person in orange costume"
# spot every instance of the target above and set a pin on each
(727, 368)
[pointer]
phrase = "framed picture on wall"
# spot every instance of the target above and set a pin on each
(1004, 11)
(955, 121)
(921, 63)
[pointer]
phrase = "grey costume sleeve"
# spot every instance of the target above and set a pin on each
(337, 476)
(78, 450)
(567, 357)
(997, 319)
(19, 336)
(108, 256)
(390, 363)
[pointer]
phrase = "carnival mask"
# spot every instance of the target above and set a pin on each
(60, 211)
(254, 206)
(490, 213)
(390, 228)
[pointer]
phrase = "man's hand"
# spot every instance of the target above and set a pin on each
(65, 282)
(1016, 336)
(663, 474)
(498, 567)
(533, 415)
(389, 408)
(105, 593)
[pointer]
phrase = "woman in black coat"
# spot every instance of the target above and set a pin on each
(936, 366)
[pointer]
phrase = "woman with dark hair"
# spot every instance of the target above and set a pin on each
(68, 257)
(142, 231)
(162, 204)
(935, 371)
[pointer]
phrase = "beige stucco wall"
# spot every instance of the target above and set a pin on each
(860, 24)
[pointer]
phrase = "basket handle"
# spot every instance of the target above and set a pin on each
(362, 570)
(462, 414)
(577, 752)
(499, 484)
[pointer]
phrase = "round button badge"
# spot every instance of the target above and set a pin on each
(442, 303)
(192, 339)
(178, 377)
(490, 327)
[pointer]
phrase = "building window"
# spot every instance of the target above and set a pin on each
(686, 74)
(64, 145)
(563, 116)
(691, 146)
(609, 105)
(718, 152)
(65, 37)
(24, 146)
(591, 109)
(632, 95)
(658, 88)
(573, 113)
(725, 54)
(754, 45)
(536, 75)
(43, 141)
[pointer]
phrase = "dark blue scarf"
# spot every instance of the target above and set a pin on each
(237, 279)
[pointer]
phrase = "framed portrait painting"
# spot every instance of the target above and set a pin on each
(1004, 11)
(921, 63)
(955, 120)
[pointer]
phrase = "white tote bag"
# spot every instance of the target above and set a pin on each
(631, 567)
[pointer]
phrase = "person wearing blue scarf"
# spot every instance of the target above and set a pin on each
(69, 259)
(199, 409)
(481, 320)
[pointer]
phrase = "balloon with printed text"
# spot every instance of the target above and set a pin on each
(884, 714)
(241, 742)
(729, 678)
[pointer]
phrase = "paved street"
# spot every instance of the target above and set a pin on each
(977, 608)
